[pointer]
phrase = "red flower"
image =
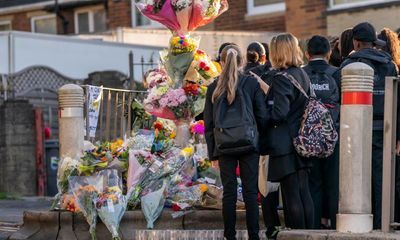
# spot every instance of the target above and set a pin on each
(200, 52)
(207, 68)
(191, 89)
(158, 126)
(203, 65)
(149, 8)
(175, 207)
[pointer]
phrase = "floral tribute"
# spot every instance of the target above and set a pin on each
(150, 170)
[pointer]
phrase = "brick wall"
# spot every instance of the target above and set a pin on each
(21, 22)
(119, 14)
(305, 18)
(236, 19)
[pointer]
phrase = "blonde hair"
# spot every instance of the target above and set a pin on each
(231, 57)
(285, 51)
(392, 44)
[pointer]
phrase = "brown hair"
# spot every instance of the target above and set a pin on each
(231, 59)
(346, 43)
(285, 51)
(392, 44)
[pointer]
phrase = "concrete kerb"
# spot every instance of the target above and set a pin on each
(69, 226)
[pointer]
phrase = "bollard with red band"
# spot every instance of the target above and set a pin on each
(355, 149)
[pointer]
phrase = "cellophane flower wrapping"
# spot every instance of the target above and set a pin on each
(157, 77)
(67, 167)
(111, 203)
(160, 11)
(183, 10)
(85, 190)
(206, 11)
(187, 197)
(202, 70)
(179, 57)
(153, 200)
(139, 161)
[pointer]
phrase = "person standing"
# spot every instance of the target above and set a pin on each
(255, 56)
(324, 175)
(285, 110)
(365, 41)
(232, 89)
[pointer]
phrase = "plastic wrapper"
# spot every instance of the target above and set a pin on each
(160, 11)
(210, 176)
(67, 167)
(139, 161)
(204, 12)
(153, 200)
(202, 70)
(142, 140)
(111, 203)
(157, 77)
(183, 11)
(187, 197)
(85, 190)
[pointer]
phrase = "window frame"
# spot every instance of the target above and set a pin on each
(333, 6)
(6, 22)
(90, 12)
(269, 8)
(41, 17)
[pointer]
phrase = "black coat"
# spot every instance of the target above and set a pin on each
(285, 110)
(326, 88)
(383, 66)
(254, 97)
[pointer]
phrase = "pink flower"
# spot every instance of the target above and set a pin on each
(199, 129)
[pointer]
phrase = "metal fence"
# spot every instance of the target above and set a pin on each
(389, 154)
(115, 114)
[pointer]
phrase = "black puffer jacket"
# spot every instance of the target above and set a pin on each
(254, 98)
(383, 66)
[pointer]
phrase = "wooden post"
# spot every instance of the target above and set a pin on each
(40, 160)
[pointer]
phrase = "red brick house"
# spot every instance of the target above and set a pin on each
(301, 17)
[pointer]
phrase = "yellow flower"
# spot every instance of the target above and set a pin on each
(114, 189)
(218, 66)
(173, 135)
(187, 151)
(203, 188)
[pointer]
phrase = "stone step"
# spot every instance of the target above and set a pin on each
(200, 224)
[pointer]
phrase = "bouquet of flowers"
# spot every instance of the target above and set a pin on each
(111, 203)
(205, 11)
(183, 11)
(164, 134)
(187, 197)
(153, 200)
(178, 58)
(196, 98)
(202, 70)
(67, 167)
(157, 77)
(141, 118)
(68, 202)
(160, 11)
(85, 190)
(139, 161)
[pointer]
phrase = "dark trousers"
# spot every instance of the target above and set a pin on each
(269, 207)
(297, 201)
(377, 165)
(324, 188)
(248, 165)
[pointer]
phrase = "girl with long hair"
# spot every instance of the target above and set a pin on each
(226, 89)
(285, 109)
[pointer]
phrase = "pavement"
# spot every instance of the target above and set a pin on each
(12, 211)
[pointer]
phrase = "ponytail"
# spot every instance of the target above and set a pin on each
(229, 78)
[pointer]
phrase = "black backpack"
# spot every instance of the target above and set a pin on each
(235, 130)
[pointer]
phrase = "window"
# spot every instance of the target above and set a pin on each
(255, 7)
(353, 3)
(44, 24)
(90, 20)
(139, 20)
(5, 25)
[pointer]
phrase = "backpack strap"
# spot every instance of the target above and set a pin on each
(296, 84)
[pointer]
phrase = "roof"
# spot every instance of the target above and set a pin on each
(14, 3)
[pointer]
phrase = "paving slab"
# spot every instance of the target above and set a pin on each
(333, 235)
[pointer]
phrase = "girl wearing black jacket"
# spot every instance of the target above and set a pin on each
(231, 78)
(284, 113)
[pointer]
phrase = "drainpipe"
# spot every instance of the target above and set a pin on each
(63, 19)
